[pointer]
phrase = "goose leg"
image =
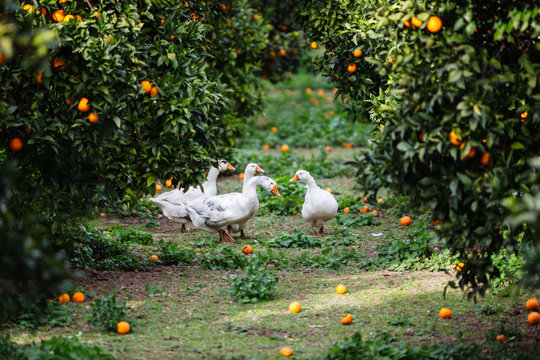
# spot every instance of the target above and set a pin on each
(225, 237)
(244, 236)
(321, 230)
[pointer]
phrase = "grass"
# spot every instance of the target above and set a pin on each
(187, 312)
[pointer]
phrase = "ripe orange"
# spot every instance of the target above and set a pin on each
(78, 17)
(347, 145)
(436, 222)
(346, 210)
(352, 68)
(460, 266)
(375, 213)
(329, 190)
(284, 148)
(484, 160)
(379, 201)
(153, 258)
(247, 249)
(102, 214)
(282, 53)
(172, 37)
(286, 351)
(158, 187)
(266, 147)
(314, 45)
(308, 91)
(341, 289)
(532, 304)
(357, 53)
(68, 18)
(154, 91)
(58, 15)
(407, 23)
(469, 155)
(256, 16)
(28, 7)
(295, 307)
(534, 318)
(59, 63)
(445, 313)
(43, 11)
(416, 22)
(15, 144)
(405, 221)
(241, 176)
(39, 78)
(146, 86)
(122, 327)
(454, 138)
(273, 129)
(64, 298)
(168, 183)
(434, 24)
(83, 105)
(272, 54)
(365, 199)
(347, 319)
(500, 338)
(78, 297)
(524, 115)
(93, 118)
(390, 60)
(328, 149)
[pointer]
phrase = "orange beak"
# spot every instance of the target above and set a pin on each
(230, 167)
(275, 191)
(258, 169)
(294, 178)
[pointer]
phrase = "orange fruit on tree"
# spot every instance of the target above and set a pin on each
(445, 313)
(407, 23)
(314, 45)
(68, 18)
(500, 338)
(469, 155)
(168, 182)
(78, 17)
(434, 24)
(365, 199)
(58, 15)
(460, 266)
(154, 91)
(405, 221)
(39, 77)
(341, 289)
(78, 297)
(15, 144)
(43, 11)
(247, 249)
(256, 16)
(146, 86)
(282, 53)
(153, 258)
(273, 129)
(352, 68)
(347, 319)
(524, 115)
(286, 351)
(454, 138)
(59, 63)
(357, 53)
(241, 176)
(416, 22)
(158, 187)
(346, 210)
(532, 304)
(64, 298)
(284, 148)
(28, 7)
(102, 214)
(295, 307)
(379, 201)
(122, 327)
(272, 54)
(93, 118)
(83, 105)
(484, 160)
(534, 318)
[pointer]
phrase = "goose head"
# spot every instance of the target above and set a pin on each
(252, 169)
(223, 165)
(300, 175)
(266, 183)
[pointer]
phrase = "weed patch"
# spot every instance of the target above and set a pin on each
(256, 284)
(297, 239)
(107, 312)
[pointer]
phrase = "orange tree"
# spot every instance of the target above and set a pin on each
(128, 93)
(454, 87)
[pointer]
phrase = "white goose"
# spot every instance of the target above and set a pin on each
(249, 173)
(172, 202)
(319, 205)
(217, 213)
